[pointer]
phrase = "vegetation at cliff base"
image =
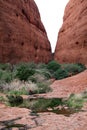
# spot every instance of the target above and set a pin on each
(31, 78)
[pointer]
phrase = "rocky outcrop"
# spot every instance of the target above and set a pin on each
(72, 40)
(46, 120)
(67, 86)
(22, 34)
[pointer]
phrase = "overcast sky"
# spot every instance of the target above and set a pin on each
(52, 12)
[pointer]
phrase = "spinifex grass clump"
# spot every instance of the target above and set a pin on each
(40, 88)
(75, 101)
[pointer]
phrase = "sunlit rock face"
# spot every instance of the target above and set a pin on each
(22, 35)
(72, 39)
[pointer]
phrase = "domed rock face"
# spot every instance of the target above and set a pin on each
(22, 34)
(72, 40)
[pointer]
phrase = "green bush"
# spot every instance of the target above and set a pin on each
(1, 73)
(31, 65)
(40, 88)
(75, 102)
(37, 78)
(42, 105)
(33, 79)
(5, 76)
(83, 67)
(41, 66)
(60, 74)
(44, 72)
(53, 66)
(24, 72)
(2, 99)
(43, 88)
(15, 100)
(6, 66)
(73, 68)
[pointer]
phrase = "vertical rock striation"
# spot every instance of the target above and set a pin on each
(22, 35)
(72, 40)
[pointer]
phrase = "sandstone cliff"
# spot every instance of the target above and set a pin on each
(22, 34)
(72, 40)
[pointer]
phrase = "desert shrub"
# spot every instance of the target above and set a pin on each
(33, 79)
(40, 88)
(22, 91)
(1, 73)
(43, 88)
(36, 78)
(83, 67)
(42, 105)
(75, 102)
(31, 65)
(44, 72)
(5, 76)
(15, 100)
(60, 74)
(41, 66)
(24, 72)
(2, 99)
(73, 68)
(6, 66)
(17, 87)
(53, 66)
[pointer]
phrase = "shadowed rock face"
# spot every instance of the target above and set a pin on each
(72, 40)
(22, 34)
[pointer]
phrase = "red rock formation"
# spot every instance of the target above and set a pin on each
(22, 34)
(67, 86)
(72, 39)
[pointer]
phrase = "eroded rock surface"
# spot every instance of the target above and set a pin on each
(72, 40)
(22, 34)
(67, 86)
(47, 121)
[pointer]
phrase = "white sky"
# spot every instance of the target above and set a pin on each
(52, 12)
